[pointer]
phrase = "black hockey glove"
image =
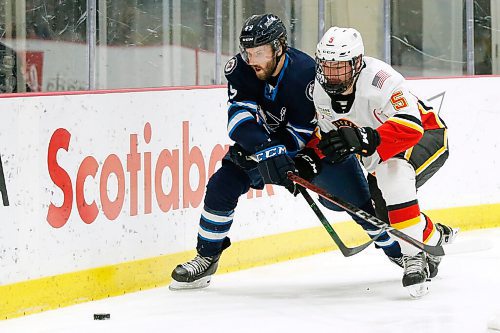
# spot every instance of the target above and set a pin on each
(307, 163)
(274, 163)
(308, 166)
(336, 145)
(241, 157)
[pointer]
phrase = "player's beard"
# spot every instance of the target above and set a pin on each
(265, 72)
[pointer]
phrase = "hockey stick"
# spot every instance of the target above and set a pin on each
(434, 250)
(346, 251)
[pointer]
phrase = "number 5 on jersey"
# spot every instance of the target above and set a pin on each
(398, 101)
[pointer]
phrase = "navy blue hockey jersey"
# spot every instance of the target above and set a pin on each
(259, 111)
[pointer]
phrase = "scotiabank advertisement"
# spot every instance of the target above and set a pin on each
(111, 179)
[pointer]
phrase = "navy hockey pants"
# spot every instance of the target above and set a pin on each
(345, 180)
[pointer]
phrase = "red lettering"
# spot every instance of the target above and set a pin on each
(170, 200)
(166, 180)
(190, 158)
(133, 166)
(217, 154)
(88, 212)
(58, 216)
(147, 172)
(111, 208)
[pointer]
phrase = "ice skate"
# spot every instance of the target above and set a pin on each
(448, 234)
(416, 273)
(397, 261)
(195, 273)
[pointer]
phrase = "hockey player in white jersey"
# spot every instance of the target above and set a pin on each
(364, 107)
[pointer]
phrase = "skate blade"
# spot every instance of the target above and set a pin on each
(198, 284)
(419, 290)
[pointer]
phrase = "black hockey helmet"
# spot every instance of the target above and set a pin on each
(260, 30)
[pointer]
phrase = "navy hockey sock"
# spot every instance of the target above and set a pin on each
(223, 190)
(212, 232)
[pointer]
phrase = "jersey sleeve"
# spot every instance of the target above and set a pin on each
(301, 118)
(403, 128)
(243, 125)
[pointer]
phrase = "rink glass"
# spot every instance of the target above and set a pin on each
(59, 45)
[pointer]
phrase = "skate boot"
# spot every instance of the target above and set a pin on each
(195, 273)
(448, 234)
(415, 275)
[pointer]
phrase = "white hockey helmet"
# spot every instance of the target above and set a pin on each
(339, 45)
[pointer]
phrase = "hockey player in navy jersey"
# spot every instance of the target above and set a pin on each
(271, 117)
(364, 107)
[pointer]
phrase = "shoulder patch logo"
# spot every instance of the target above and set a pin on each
(324, 113)
(398, 100)
(310, 90)
(379, 79)
(230, 66)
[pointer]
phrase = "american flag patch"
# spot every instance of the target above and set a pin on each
(379, 79)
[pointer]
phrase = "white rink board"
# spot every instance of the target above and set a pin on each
(102, 127)
(470, 109)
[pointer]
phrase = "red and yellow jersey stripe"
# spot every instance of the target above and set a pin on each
(430, 119)
(402, 131)
(397, 134)
(404, 215)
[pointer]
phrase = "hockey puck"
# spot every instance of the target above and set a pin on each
(102, 316)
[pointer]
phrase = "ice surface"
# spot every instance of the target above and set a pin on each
(322, 293)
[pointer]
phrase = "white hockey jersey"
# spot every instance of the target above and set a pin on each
(382, 101)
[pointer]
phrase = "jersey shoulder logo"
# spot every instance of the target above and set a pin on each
(398, 100)
(379, 79)
(230, 65)
(310, 90)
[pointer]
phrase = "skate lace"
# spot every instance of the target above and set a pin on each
(198, 265)
(398, 261)
(434, 259)
(414, 264)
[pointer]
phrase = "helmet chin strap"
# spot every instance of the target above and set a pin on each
(356, 75)
(278, 59)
